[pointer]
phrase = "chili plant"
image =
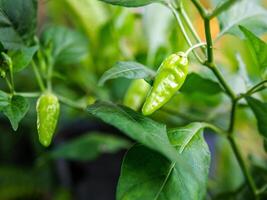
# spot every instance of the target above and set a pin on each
(171, 159)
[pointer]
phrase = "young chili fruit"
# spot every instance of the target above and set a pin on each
(136, 94)
(169, 78)
(48, 109)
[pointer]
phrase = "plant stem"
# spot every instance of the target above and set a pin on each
(232, 117)
(49, 76)
(210, 63)
(194, 47)
(210, 60)
(215, 129)
(70, 102)
(28, 94)
(180, 25)
(209, 40)
(38, 76)
(178, 19)
(222, 81)
(12, 77)
(8, 84)
(9, 62)
(200, 8)
(236, 151)
(190, 25)
(255, 87)
(243, 167)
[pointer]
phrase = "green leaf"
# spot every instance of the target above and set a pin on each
(17, 22)
(129, 69)
(68, 46)
(258, 48)
(21, 58)
(131, 3)
(93, 144)
(194, 83)
(190, 166)
(260, 110)
(136, 126)
(4, 100)
(16, 110)
(146, 174)
(246, 13)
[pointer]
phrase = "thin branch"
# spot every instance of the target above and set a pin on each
(256, 87)
(242, 164)
(176, 14)
(194, 47)
(28, 94)
(222, 81)
(190, 26)
(200, 8)
(71, 103)
(209, 40)
(232, 116)
(228, 90)
(38, 76)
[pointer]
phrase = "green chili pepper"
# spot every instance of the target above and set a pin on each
(169, 78)
(48, 109)
(136, 94)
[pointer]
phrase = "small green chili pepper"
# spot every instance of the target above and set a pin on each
(48, 109)
(169, 78)
(136, 94)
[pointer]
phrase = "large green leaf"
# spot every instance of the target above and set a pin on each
(68, 46)
(148, 175)
(21, 58)
(16, 110)
(129, 69)
(131, 3)
(195, 83)
(93, 144)
(246, 13)
(260, 110)
(190, 166)
(258, 48)
(17, 22)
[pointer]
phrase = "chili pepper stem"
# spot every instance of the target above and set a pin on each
(194, 47)
(38, 76)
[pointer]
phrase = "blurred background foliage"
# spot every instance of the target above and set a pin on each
(102, 35)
